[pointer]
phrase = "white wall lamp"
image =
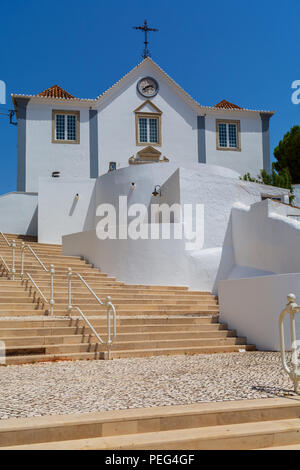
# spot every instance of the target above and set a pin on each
(157, 191)
(132, 186)
(76, 197)
(294, 372)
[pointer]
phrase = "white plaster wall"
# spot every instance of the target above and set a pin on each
(201, 184)
(150, 262)
(265, 239)
(252, 307)
(43, 157)
(59, 211)
(117, 135)
(250, 158)
(18, 213)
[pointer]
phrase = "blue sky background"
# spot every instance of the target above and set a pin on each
(245, 52)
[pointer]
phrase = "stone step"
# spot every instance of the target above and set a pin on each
(230, 437)
(76, 335)
(212, 338)
(39, 308)
(37, 354)
(65, 347)
(204, 321)
(216, 420)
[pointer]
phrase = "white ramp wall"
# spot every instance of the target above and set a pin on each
(265, 239)
(18, 213)
(60, 211)
(252, 306)
(150, 262)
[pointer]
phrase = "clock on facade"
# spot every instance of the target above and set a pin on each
(147, 87)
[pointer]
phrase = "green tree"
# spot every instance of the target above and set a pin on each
(287, 154)
(280, 179)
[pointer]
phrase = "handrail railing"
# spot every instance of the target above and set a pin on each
(11, 245)
(5, 239)
(108, 304)
(8, 270)
(291, 309)
(51, 271)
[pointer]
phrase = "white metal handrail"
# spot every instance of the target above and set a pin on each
(37, 287)
(75, 307)
(51, 271)
(291, 309)
(11, 245)
(5, 239)
(110, 308)
(8, 270)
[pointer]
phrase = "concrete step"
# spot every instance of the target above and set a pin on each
(64, 345)
(34, 355)
(170, 338)
(136, 331)
(204, 321)
(53, 431)
(234, 437)
(242, 425)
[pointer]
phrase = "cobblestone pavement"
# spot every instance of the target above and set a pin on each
(87, 386)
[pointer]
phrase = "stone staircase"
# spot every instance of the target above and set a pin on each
(152, 320)
(237, 425)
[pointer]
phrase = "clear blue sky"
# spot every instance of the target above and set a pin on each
(246, 52)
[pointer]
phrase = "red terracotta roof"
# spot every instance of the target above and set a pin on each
(55, 92)
(226, 105)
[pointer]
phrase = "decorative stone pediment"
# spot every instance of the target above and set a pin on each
(147, 155)
(148, 108)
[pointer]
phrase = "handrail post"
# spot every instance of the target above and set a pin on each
(291, 309)
(52, 301)
(108, 340)
(13, 269)
(22, 259)
(70, 290)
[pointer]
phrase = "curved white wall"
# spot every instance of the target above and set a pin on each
(18, 213)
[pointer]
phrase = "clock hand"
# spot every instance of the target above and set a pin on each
(148, 86)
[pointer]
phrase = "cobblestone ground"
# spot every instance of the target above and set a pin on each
(87, 386)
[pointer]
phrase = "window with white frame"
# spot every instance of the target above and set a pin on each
(148, 130)
(228, 135)
(65, 127)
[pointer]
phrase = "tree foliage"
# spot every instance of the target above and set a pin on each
(280, 179)
(287, 154)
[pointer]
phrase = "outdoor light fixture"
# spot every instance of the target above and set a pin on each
(132, 185)
(55, 174)
(157, 191)
(294, 371)
(76, 197)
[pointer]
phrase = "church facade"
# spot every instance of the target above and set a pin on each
(144, 118)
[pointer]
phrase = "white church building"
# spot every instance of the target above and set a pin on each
(145, 116)
(148, 140)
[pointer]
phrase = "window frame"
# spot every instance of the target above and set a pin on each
(56, 112)
(238, 130)
(148, 141)
(139, 113)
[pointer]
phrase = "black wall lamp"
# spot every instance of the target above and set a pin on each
(157, 191)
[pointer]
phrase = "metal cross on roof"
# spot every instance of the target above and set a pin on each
(145, 29)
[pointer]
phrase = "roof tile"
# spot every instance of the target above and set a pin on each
(55, 92)
(226, 105)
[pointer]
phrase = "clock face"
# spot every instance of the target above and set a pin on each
(148, 87)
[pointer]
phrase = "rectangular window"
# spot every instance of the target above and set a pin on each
(228, 135)
(148, 130)
(143, 130)
(65, 127)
